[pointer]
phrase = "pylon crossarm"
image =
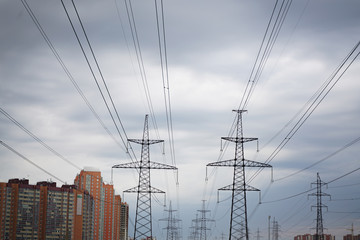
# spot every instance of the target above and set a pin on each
(234, 163)
(155, 190)
(145, 141)
(230, 188)
(155, 165)
(239, 140)
(251, 188)
(226, 188)
(127, 165)
(225, 163)
(132, 190)
(322, 206)
(320, 194)
(249, 163)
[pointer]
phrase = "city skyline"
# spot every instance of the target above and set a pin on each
(211, 49)
(87, 209)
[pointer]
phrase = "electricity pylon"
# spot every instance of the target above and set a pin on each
(258, 236)
(194, 234)
(238, 218)
(203, 220)
(172, 229)
(275, 230)
(319, 205)
(143, 219)
(200, 224)
(352, 231)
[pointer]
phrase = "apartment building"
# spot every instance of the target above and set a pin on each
(109, 221)
(44, 211)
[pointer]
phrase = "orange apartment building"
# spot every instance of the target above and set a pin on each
(44, 211)
(121, 215)
(351, 237)
(313, 237)
(107, 221)
(89, 209)
(90, 180)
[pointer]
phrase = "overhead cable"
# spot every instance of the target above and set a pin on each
(29, 161)
(271, 39)
(165, 77)
(7, 115)
(136, 42)
(301, 193)
(66, 70)
(322, 93)
(321, 160)
(272, 31)
(95, 78)
(39, 140)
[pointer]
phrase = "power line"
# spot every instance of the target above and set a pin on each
(94, 77)
(136, 42)
(323, 159)
(7, 115)
(277, 25)
(29, 161)
(347, 185)
(301, 193)
(345, 199)
(161, 35)
(324, 91)
(274, 25)
(38, 139)
(66, 70)
(165, 76)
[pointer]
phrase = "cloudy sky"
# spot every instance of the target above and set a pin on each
(211, 49)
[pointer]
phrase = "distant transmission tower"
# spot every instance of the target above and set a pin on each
(203, 220)
(275, 230)
(258, 236)
(319, 205)
(199, 226)
(238, 218)
(143, 219)
(194, 234)
(172, 229)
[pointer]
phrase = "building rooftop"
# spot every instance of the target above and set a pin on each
(91, 169)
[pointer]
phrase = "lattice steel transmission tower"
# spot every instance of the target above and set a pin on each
(258, 236)
(203, 222)
(143, 219)
(172, 229)
(238, 217)
(319, 205)
(275, 230)
(200, 224)
(194, 234)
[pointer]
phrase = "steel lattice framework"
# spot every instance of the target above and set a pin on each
(172, 229)
(319, 206)
(238, 218)
(143, 219)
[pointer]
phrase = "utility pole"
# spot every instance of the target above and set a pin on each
(172, 229)
(238, 217)
(319, 205)
(143, 219)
